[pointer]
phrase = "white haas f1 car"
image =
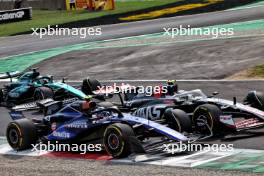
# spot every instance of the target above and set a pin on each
(194, 111)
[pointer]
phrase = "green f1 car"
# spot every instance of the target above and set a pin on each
(31, 87)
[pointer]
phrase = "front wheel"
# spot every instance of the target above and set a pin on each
(206, 118)
(255, 99)
(178, 120)
(21, 134)
(116, 140)
(1, 95)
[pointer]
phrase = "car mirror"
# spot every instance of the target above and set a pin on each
(64, 79)
(234, 101)
(215, 93)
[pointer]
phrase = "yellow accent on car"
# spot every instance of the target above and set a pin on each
(171, 81)
(122, 141)
(88, 98)
(20, 133)
(206, 110)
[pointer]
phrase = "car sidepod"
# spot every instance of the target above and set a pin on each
(161, 129)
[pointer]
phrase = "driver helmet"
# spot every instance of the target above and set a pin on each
(87, 104)
(45, 81)
(35, 73)
(172, 87)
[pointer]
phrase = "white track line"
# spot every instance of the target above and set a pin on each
(159, 80)
(192, 160)
(5, 149)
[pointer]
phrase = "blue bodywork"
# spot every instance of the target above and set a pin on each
(77, 122)
(68, 123)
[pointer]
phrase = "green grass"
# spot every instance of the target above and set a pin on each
(43, 18)
(257, 71)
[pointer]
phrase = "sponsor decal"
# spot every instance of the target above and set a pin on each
(152, 113)
(61, 134)
(248, 123)
(14, 94)
(77, 124)
(227, 119)
(15, 15)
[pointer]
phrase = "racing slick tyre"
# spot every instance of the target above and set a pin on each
(1, 96)
(178, 120)
(21, 134)
(116, 140)
(90, 85)
(43, 93)
(206, 118)
(255, 99)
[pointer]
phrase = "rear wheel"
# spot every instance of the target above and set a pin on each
(90, 85)
(21, 134)
(1, 95)
(43, 93)
(178, 120)
(116, 140)
(207, 117)
(255, 99)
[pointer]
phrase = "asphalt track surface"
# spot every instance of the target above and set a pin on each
(28, 43)
(32, 166)
(213, 59)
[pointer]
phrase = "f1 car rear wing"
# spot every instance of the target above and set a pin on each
(31, 106)
(41, 104)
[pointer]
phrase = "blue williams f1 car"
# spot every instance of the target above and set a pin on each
(88, 122)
